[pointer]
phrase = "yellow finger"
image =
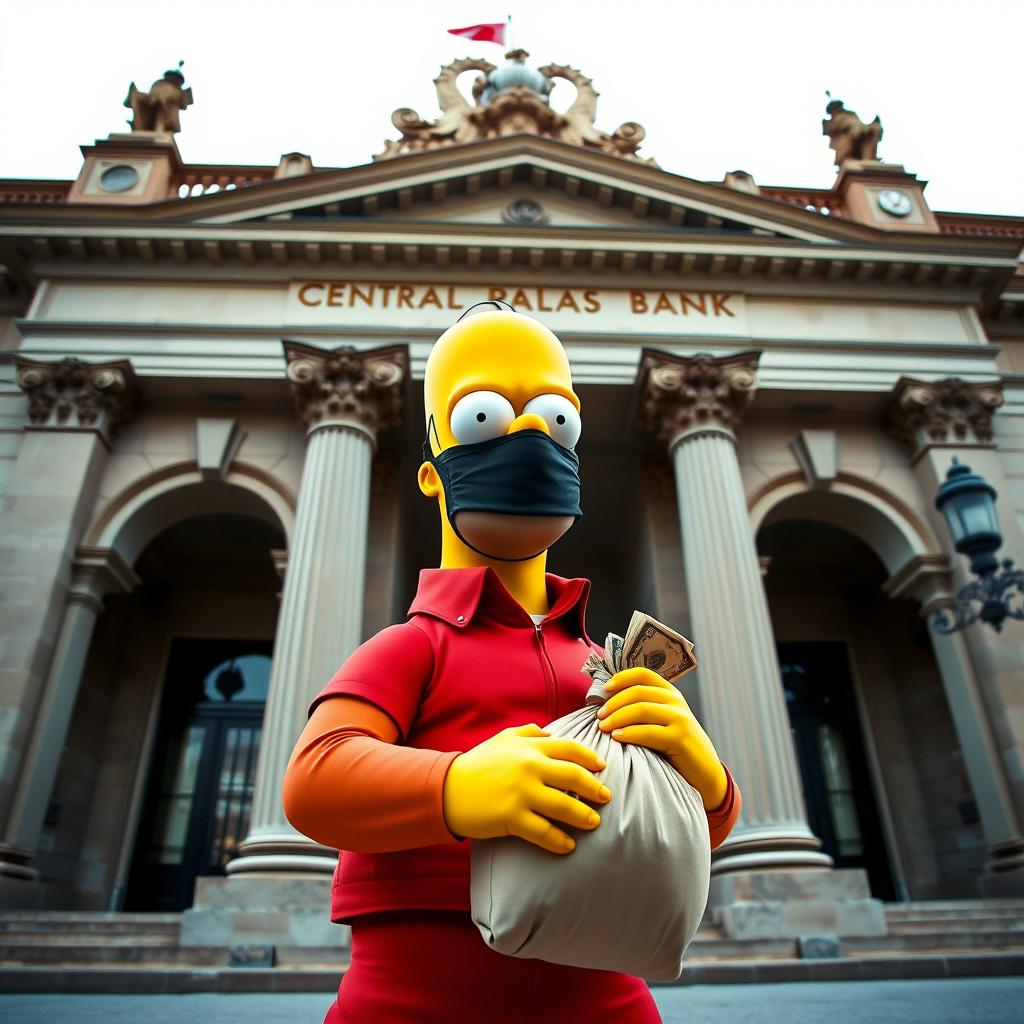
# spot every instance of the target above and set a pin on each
(539, 831)
(558, 806)
(655, 737)
(651, 694)
(573, 779)
(634, 677)
(643, 714)
(572, 750)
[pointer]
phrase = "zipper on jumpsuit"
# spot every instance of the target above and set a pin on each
(549, 672)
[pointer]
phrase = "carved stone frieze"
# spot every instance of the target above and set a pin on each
(71, 394)
(363, 388)
(679, 393)
(952, 410)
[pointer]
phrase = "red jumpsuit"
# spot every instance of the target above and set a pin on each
(468, 663)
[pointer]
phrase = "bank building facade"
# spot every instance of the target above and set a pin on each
(212, 419)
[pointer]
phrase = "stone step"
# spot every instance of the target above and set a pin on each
(140, 927)
(140, 980)
(31, 938)
(935, 942)
(66, 954)
(953, 927)
(956, 907)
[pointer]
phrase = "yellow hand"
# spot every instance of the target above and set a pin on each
(645, 709)
(512, 783)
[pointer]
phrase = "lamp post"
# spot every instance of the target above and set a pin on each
(968, 503)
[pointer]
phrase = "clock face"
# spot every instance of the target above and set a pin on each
(119, 178)
(895, 202)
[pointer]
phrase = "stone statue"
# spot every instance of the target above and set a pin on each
(849, 136)
(507, 101)
(157, 110)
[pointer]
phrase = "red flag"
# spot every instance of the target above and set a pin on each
(490, 32)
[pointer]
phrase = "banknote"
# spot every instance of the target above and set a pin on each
(648, 643)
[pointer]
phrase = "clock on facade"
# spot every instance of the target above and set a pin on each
(119, 178)
(895, 202)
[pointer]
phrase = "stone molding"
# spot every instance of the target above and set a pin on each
(70, 394)
(949, 411)
(97, 572)
(927, 579)
(680, 394)
(345, 386)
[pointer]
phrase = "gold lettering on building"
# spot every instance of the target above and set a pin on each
(574, 301)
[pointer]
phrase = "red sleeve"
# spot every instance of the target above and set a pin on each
(390, 671)
(723, 817)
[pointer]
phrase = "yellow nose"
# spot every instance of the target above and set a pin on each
(528, 421)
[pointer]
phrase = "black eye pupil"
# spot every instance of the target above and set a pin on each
(481, 417)
(559, 419)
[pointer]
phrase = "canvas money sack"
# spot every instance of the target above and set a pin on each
(630, 897)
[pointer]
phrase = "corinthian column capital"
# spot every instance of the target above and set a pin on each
(72, 395)
(362, 389)
(681, 393)
(949, 411)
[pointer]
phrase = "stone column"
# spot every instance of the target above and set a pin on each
(770, 877)
(73, 407)
(928, 579)
(935, 421)
(344, 397)
(96, 573)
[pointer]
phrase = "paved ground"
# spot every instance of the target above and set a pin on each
(970, 1001)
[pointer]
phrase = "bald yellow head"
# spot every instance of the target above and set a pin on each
(492, 374)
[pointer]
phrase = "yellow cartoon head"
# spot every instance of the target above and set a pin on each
(502, 425)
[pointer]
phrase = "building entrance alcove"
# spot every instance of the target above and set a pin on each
(882, 772)
(200, 784)
(156, 778)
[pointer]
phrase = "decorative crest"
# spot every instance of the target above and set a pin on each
(507, 101)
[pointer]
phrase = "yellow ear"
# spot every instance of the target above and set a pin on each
(428, 480)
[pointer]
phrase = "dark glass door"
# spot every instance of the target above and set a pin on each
(826, 732)
(204, 766)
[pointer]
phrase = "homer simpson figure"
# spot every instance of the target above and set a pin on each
(427, 736)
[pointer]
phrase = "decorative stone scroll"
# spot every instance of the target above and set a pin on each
(679, 393)
(510, 100)
(71, 395)
(365, 389)
(943, 411)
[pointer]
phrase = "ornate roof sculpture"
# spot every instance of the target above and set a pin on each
(848, 136)
(158, 109)
(507, 101)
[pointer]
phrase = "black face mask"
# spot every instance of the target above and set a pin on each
(522, 474)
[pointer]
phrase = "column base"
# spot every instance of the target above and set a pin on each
(1003, 884)
(18, 893)
(263, 910)
(282, 851)
(795, 903)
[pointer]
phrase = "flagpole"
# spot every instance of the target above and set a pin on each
(508, 32)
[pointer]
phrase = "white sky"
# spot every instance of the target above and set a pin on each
(718, 86)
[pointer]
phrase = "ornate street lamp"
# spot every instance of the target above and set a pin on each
(968, 502)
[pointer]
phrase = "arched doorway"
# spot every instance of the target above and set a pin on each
(824, 592)
(203, 619)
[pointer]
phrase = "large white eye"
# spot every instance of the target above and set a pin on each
(481, 415)
(560, 415)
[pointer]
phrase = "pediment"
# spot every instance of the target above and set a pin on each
(517, 184)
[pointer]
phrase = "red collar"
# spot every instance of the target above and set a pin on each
(459, 595)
